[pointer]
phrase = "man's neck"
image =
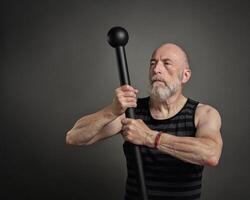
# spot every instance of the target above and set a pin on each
(167, 108)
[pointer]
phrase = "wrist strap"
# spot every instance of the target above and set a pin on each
(157, 139)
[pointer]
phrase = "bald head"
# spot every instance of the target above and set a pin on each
(174, 52)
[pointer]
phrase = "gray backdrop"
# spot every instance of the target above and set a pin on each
(56, 66)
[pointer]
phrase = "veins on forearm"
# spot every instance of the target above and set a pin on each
(193, 150)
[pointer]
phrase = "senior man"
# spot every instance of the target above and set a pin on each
(177, 135)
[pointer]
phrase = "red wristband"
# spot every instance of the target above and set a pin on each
(157, 139)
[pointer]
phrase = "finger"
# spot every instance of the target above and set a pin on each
(129, 104)
(126, 121)
(129, 94)
(128, 99)
(125, 88)
(128, 88)
(124, 96)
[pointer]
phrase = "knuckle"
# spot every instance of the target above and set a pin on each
(119, 92)
(124, 87)
(119, 97)
(133, 94)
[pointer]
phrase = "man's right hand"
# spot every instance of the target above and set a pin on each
(125, 97)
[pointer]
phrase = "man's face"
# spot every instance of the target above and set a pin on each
(165, 73)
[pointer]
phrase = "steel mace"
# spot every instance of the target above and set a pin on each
(118, 38)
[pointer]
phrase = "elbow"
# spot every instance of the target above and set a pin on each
(212, 159)
(69, 139)
(212, 162)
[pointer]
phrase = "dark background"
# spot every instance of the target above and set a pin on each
(56, 66)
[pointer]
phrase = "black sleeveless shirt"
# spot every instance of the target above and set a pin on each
(166, 177)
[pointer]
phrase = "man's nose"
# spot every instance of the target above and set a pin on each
(157, 68)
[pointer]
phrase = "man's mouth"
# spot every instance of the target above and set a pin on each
(158, 81)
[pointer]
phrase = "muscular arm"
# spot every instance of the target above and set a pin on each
(88, 127)
(104, 123)
(205, 148)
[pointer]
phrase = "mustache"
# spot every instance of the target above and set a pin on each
(157, 78)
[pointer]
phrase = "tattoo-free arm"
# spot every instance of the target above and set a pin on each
(205, 148)
(94, 127)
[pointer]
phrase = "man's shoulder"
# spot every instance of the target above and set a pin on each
(205, 112)
(205, 108)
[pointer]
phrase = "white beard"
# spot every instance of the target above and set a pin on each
(161, 93)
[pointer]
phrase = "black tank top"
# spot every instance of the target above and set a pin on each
(166, 177)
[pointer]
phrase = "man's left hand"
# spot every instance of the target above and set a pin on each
(137, 132)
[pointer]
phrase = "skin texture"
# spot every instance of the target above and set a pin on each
(168, 66)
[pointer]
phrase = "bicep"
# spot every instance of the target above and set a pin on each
(108, 130)
(209, 125)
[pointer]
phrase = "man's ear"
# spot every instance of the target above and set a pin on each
(186, 74)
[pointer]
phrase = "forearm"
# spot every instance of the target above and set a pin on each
(201, 151)
(88, 126)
